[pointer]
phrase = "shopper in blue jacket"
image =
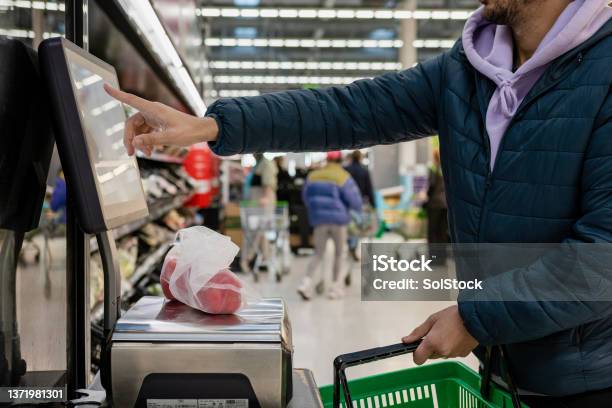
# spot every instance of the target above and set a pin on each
(523, 108)
(330, 194)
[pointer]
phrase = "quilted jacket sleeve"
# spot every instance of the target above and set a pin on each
(388, 109)
(497, 322)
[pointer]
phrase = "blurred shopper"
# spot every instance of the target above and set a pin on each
(329, 194)
(361, 175)
(523, 108)
(284, 181)
(437, 212)
(262, 187)
(283, 177)
(58, 201)
(263, 181)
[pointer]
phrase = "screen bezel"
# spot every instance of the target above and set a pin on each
(106, 71)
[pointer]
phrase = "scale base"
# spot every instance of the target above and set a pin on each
(305, 392)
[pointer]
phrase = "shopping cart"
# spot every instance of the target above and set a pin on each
(265, 238)
(364, 224)
(448, 384)
(362, 228)
(49, 227)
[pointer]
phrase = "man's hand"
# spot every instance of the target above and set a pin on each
(157, 124)
(444, 336)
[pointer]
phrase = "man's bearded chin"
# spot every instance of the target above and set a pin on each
(498, 15)
(504, 12)
(495, 16)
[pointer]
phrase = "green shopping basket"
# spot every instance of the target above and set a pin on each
(447, 384)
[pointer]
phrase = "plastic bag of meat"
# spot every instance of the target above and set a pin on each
(195, 272)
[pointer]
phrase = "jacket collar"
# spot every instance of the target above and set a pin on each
(556, 71)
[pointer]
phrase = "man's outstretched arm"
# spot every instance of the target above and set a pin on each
(388, 109)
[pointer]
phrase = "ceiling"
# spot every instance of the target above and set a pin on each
(258, 46)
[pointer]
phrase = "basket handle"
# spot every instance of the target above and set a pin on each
(344, 361)
(485, 385)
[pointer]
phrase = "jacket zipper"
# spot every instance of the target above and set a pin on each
(487, 144)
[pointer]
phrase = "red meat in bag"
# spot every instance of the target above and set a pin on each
(166, 274)
(221, 294)
(182, 283)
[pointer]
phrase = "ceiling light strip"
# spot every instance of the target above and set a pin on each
(19, 33)
(36, 5)
(306, 65)
(301, 43)
(232, 93)
(328, 13)
(325, 43)
(284, 80)
(434, 43)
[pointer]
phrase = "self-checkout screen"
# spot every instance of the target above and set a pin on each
(102, 179)
(103, 119)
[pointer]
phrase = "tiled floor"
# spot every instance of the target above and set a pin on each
(323, 328)
(41, 306)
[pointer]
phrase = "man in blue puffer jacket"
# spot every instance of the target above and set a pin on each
(523, 108)
(330, 194)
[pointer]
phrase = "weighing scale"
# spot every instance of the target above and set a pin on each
(160, 354)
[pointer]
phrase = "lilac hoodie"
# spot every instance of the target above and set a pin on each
(489, 48)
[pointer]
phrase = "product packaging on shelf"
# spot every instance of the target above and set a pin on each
(196, 272)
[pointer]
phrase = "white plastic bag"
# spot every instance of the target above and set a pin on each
(196, 272)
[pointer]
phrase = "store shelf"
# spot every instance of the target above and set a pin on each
(147, 267)
(149, 264)
(156, 210)
(128, 285)
(160, 158)
(139, 23)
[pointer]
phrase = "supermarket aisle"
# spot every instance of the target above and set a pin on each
(41, 305)
(324, 328)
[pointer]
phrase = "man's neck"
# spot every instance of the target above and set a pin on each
(536, 19)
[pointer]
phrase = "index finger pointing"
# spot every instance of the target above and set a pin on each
(129, 99)
(130, 131)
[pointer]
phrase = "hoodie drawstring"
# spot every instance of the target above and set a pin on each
(508, 98)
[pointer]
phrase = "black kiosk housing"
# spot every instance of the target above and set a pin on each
(26, 147)
(26, 140)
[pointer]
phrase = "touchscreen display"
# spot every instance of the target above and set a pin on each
(117, 175)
